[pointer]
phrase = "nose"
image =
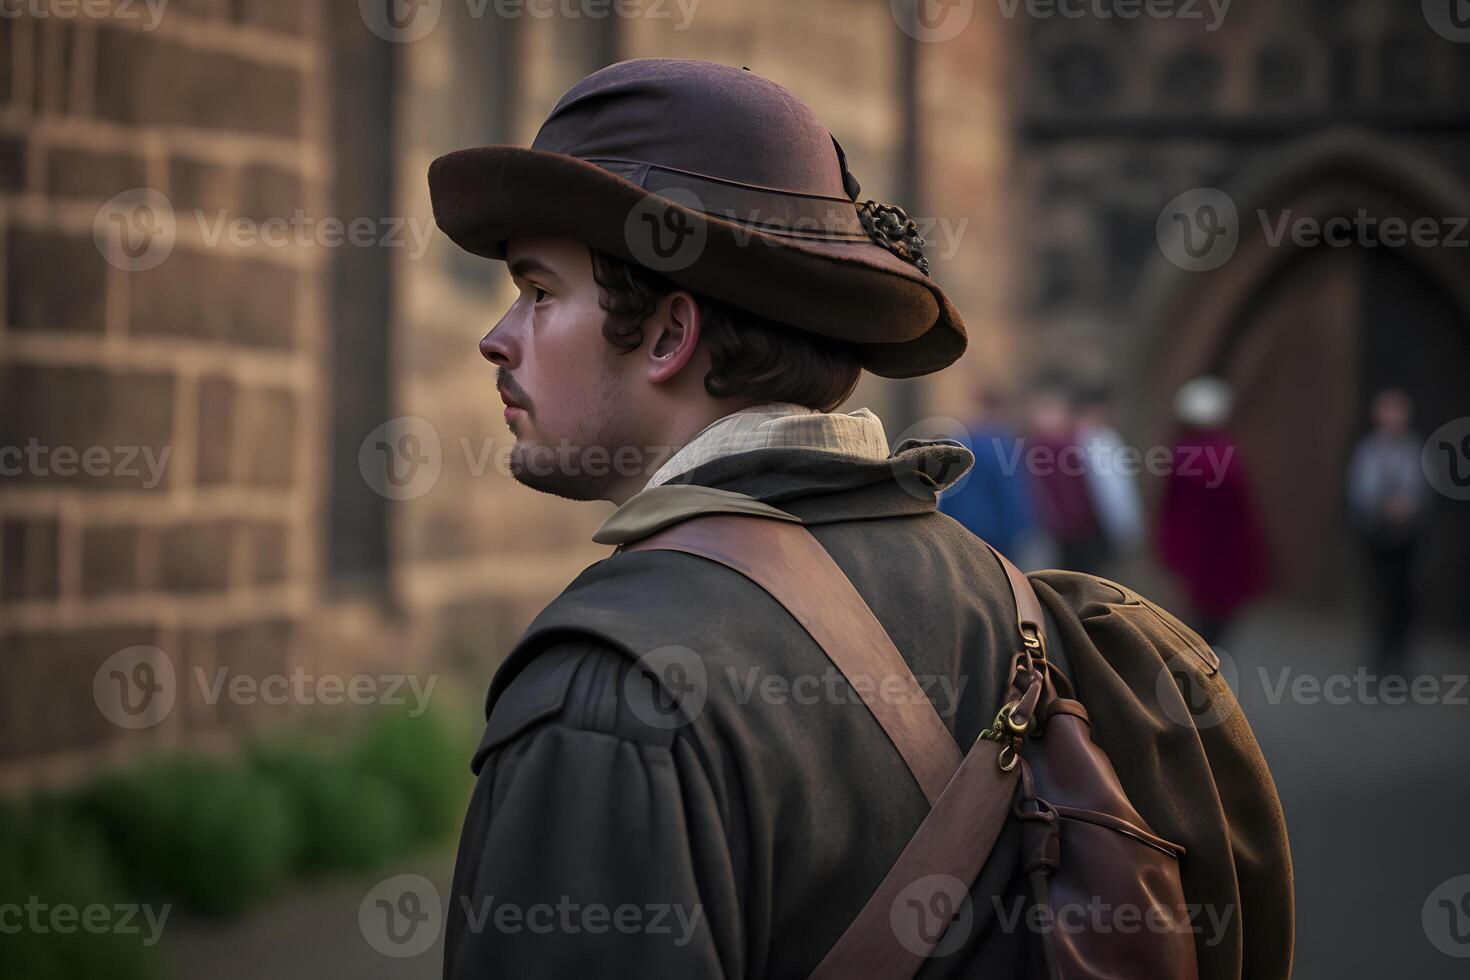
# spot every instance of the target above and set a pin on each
(499, 346)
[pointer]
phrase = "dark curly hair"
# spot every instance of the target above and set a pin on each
(750, 356)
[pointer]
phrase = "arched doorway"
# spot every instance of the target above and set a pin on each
(1308, 333)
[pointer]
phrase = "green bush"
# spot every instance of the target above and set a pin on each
(348, 819)
(49, 860)
(213, 834)
(425, 761)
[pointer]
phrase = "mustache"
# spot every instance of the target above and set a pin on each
(506, 383)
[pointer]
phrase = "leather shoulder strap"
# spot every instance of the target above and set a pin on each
(903, 919)
(970, 798)
(791, 565)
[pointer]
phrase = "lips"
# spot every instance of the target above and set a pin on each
(509, 401)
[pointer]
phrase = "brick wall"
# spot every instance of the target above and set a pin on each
(251, 374)
(165, 490)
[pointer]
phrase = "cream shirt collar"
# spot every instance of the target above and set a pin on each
(778, 425)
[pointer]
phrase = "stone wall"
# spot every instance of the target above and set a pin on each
(196, 376)
(160, 387)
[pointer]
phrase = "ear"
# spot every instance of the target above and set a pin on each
(673, 331)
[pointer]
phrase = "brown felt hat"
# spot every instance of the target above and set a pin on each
(728, 185)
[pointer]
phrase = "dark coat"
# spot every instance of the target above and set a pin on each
(609, 836)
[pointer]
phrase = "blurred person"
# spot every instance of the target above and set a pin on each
(993, 501)
(1387, 501)
(1211, 533)
(635, 764)
(1113, 486)
(1060, 489)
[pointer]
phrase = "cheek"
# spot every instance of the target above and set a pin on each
(568, 373)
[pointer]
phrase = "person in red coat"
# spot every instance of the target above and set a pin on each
(1211, 534)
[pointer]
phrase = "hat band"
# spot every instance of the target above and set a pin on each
(766, 209)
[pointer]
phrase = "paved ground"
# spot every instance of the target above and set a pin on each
(313, 934)
(1376, 798)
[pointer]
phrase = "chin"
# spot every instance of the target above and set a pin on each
(545, 469)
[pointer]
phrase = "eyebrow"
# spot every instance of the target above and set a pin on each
(522, 267)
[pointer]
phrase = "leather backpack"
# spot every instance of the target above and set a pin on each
(1084, 844)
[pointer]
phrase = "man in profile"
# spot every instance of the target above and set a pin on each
(674, 780)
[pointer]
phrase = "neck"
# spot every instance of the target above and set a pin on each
(675, 432)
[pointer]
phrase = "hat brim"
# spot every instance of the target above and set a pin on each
(899, 320)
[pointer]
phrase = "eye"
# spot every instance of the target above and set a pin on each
(540, 293)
